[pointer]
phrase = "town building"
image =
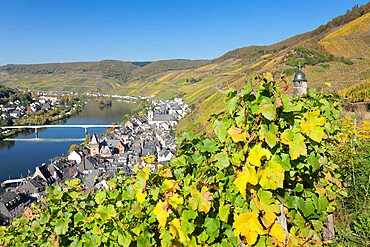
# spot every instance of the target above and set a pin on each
(12, 205)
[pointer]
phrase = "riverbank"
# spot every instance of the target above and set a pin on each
(66, 115)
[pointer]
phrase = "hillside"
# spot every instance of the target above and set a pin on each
(309, 37)
(201, 82)
(350, 41)
(86, 76)
(108, 68)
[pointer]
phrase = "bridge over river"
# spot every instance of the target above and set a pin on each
(36, 127)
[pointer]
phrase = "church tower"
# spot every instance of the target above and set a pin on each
(94, 145)
(150, 113)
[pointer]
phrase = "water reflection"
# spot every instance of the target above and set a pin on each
(6, 144)
(25, 133)
(16, 157)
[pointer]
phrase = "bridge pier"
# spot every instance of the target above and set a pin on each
(36, 133)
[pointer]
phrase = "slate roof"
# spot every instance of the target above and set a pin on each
(103, 142)
(89, 179)
(55, 170)
(8, 197)
(136, 150)
(46, 173)
(4, 214)
(37, 182)
(164, 117)
(112, 143)
(12, 200)
(89, 163)
(164, 152)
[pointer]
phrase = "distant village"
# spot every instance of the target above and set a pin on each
(16, 109)
(47, 101)
(96, 163)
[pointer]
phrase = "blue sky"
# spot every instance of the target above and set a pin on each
(140, 30)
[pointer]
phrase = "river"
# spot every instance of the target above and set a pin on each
(17, 157)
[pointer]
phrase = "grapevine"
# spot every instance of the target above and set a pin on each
(270, 155)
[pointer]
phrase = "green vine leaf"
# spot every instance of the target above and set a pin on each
(311, 123)
(268, 110)
(297, 146)
(221, 129)
(222, 160)
(271, 176)
(61, 227)
(224, 212)
(269, 133)
(201, 200)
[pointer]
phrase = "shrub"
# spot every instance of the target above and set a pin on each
(353, 156)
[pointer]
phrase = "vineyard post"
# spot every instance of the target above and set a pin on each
(299, 88)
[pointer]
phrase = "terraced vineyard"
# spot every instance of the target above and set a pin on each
(200, 82)
(350, 41)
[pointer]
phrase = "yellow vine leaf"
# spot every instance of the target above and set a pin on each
(170, 186)
(175, 229)
(166, 173)
(311, 123)
(146, 170)
(248, 225)
(268, 219)
(162, 213)
(244, 177)
(149, 159)
(144, 173)
(278, 232)
(265, 203)
(237, 134)
(272, 176)
(257, 154)
(140, 196)
(327, 176)
(175, 200)
(201, 200)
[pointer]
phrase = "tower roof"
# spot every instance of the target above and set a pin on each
(299, 76)
(94, 140)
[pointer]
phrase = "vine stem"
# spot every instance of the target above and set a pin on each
(173, 209)
(211, 186)
(305, 241)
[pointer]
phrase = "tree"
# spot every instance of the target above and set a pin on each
(87, 139)
(72, 148)
(125, 118)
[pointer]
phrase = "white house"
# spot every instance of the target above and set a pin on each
(76, 156)
(165, 155)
